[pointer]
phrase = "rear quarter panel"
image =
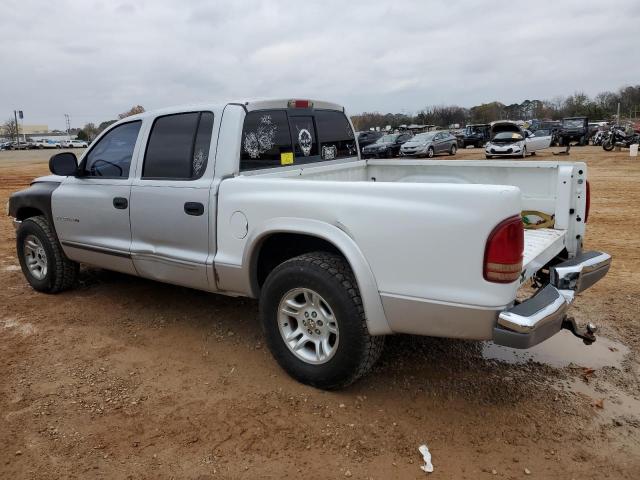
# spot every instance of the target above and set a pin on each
(420, 240)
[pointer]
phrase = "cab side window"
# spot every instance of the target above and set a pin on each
(111, 156)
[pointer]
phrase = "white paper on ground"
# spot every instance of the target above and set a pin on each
(426, 455)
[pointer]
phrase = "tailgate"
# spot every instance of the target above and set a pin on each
(540, 247)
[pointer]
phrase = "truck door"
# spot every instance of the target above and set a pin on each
(170, 208)
(91, 210)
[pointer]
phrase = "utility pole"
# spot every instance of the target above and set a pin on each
(68, 122)
(618, 117)
(15, 116)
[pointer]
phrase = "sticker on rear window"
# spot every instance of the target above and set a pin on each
(262, 139)
(305, 141)
(286, 158)
(329, 152)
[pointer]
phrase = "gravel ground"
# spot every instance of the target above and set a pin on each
(128, 378)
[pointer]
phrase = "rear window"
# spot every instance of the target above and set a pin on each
(273, 138)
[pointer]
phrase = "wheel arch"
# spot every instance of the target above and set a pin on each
(293, 237)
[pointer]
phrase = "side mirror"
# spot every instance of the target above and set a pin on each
(64, 164)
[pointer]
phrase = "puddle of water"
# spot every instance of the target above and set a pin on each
(561, 350)
(615, 402)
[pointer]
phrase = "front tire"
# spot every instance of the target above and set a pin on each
(524, 152)
(314, 321)
(43, 263)
(453, 150)
(430, 152)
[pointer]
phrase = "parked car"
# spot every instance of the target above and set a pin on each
(22, 145)
(5, 145)
(340, 252)
(476, 135)
(553, 127)
(386, 146)
(74, 144)
(509, 139)
(367, 138)
(429, 144)
(40, 144)
(574, 129)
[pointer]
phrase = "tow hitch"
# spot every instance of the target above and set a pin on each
(586, 333)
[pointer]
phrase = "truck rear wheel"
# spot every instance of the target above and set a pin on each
(314, 321)
(43, 263)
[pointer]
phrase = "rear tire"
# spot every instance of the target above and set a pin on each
(352, 351)
(453, 150)
(43, 263)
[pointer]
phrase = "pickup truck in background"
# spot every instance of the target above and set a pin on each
(271, 200)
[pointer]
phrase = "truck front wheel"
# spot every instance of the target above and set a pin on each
(314, 321)
(43, 263)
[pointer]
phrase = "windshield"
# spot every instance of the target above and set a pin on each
(511, 136)
(573, 123)
(387, 139)
(423, 137)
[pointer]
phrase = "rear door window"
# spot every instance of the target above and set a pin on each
(335, 135)
(178, 147)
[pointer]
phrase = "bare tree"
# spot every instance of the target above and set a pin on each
(133, 111)
(9, 129)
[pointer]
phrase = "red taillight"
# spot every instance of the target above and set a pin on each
(588, 203)
(503, 253)
(300, 104)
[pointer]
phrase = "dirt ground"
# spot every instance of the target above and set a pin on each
(128, 378)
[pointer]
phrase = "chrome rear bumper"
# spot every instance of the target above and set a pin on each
(543, 315)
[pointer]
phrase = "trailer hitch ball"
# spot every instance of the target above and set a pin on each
(587, 333)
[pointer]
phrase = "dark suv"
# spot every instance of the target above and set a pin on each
(367, 138)
(574, 129)
(476, 135)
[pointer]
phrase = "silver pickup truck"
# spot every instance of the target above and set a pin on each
(271, 200)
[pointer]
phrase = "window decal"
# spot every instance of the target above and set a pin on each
(329, 152)
(305, 141)
(263, 139)
(286, 158)
(199, 159)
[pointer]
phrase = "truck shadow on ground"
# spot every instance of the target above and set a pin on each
(436, 367)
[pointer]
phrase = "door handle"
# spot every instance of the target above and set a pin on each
(193, 208)
(120, 203)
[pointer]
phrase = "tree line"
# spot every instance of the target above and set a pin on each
(601, 107)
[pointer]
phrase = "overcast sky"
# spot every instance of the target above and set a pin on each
(96, 59)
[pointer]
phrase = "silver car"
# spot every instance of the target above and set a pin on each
(429, 144)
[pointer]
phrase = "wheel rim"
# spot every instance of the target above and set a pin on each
(308, 326)
(35, 257)
(430, 152)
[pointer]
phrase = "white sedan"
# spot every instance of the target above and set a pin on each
(510, 140)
